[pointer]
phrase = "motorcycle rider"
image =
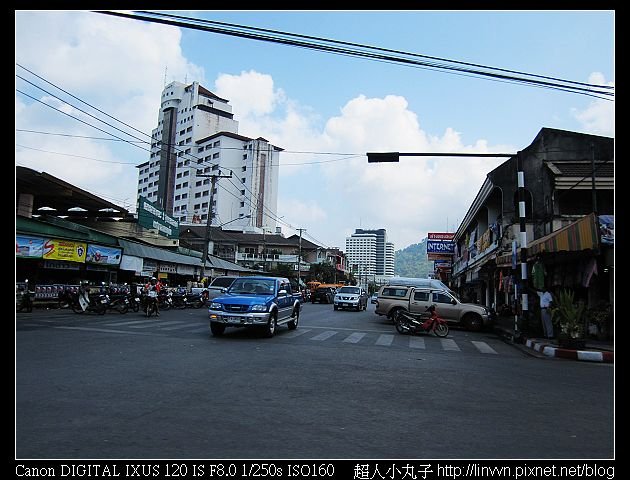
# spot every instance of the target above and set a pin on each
(154, 285)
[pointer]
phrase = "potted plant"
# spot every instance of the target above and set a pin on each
(599, 320)
(569, 316)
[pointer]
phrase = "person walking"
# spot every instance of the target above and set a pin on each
(546, 301)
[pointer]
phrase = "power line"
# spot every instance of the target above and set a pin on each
(449, 66)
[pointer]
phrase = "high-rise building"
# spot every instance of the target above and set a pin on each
(370, 253)
(195, 142)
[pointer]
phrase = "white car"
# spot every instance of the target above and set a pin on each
(350, 297)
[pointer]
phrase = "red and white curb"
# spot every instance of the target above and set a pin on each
(584, 355)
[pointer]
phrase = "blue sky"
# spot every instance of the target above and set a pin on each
(308, 101)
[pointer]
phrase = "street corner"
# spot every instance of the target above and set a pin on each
(553, 350)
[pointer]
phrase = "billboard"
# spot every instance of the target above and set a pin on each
(444, 247)
(152, 216)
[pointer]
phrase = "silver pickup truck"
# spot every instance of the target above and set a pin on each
(416, 299)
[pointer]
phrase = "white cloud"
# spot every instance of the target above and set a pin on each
(117, 65)
(599, 117)
(329, 195)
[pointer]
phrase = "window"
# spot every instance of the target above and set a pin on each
(394, 292)
(198, 184)
(244, 156)
(243, 169)
(441, 298)
(198, 195)
(216, 144)
(421, 296)
(243, 180)
(242, 192)
(215, 155)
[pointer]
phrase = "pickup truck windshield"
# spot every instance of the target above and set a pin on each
(257, 286)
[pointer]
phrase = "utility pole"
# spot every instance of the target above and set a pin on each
(300, 256)
(206, 237)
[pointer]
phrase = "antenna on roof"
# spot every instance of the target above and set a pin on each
(165, 70)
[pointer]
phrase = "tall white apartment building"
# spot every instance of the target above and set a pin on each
(197, 138)
(370, 252)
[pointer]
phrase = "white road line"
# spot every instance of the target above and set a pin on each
(128, 322)
(449, 344)
(296, 333)
(385, 340)
(156, 324)
(354, 337)
(416, 342)
(324, 335)
(104, 330)
(483, 347)
(183, 325)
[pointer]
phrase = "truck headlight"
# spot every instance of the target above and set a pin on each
(216, 306)
(259, 308)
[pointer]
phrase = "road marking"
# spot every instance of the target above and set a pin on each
(155, 324)
(416, 342)
(385, 340)
(449, 344)
(117, 324)
(324, 335)
(183, 325)
(105, 330)
(297, 333)
(483, 347)
(354, 337)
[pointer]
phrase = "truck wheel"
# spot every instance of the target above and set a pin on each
(217, 329)
(473, 322)
(270, 328)
(296, 319)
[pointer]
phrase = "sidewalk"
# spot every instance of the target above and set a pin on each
(594, 351)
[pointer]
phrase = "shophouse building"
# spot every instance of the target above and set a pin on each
(569, 219)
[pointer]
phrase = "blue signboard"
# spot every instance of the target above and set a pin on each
(440, 247)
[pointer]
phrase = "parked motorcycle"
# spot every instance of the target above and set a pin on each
(24, 298)
(84, 302)
(414, 323)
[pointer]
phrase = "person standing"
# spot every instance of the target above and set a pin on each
(546, 302)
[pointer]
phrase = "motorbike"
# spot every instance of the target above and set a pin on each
(84, 302)
(414, 323)
(150, 303)
(24, 299)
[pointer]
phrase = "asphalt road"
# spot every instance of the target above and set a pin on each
(343, 385)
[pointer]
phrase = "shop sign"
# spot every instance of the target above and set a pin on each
(57, 265)
(185, 269)
(440, 247)
(103, 255)
(148, 267)
(168, 267)
(607, 229)
(439, 256)
(28, 247)
(441, 236)
(56, 249)
(152, 216)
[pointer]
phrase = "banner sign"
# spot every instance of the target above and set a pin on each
(440, 247)
(441, 236)
(439, 256)
(103, 255)
(607, 229)
(55, 249)
(29, 247)
(152, 216)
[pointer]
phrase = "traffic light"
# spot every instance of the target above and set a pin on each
(383, 157)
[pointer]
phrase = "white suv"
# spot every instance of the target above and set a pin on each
(351, 297)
